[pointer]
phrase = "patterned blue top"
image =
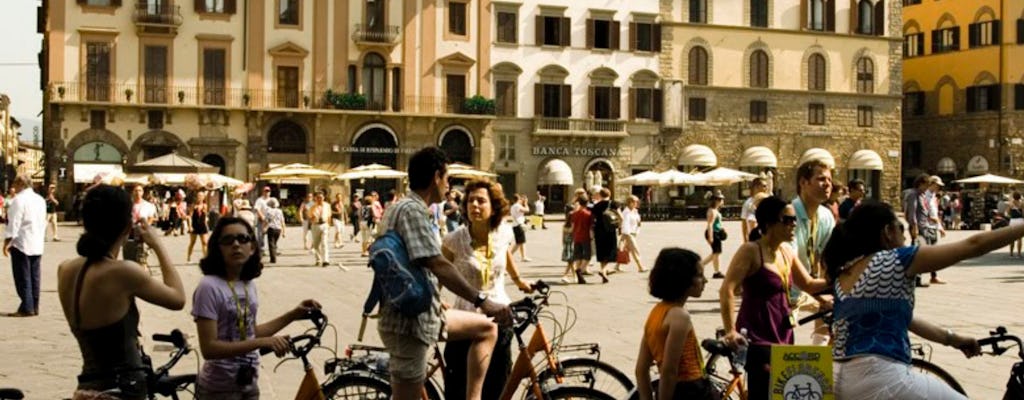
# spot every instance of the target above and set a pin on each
(873, 319)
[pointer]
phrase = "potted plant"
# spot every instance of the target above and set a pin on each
(60, 92)
(181, 96)
(305, 101)
(349, 101)
(128, 94)
(245, 99)
(478, 105)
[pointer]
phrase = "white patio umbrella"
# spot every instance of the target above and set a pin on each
(674, 177)
(460, 170)
(645, 178)
(296, 171)
(992, 179)
(371, 171)
(722, 176)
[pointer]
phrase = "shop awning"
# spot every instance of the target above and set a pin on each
(865, 159)
(555, 172)
(759, 156)
(698, 155)
(85, 173)
(818, 154)
(946, 166)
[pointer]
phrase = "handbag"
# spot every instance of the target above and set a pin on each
(721, 235)
(622, 257)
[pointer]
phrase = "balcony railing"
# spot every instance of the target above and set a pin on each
(570, 127)
(382, 34)
(157, 14)
(232, 97)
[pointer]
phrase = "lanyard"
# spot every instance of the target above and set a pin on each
(812, 248)
(784, 273)
(486, 263)
(242, 309)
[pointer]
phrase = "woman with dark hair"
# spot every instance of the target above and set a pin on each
(480, 251)
(670, 340)
(872, 273)
(98, 291)
(224, 305)
(200, 229)
(1015, 212)
(766, 268)
(713, 233)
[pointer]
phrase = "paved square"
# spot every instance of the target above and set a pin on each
(39, 355)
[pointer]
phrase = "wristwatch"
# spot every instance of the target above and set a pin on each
(480, 298)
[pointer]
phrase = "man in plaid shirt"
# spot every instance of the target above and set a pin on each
(409, 340)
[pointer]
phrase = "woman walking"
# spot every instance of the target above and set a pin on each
(715, 233)
(607, 220)
(200, 227)
(630, 228)
(1015, 212)
(274, 227)
(353, 217)
(224, 305)
(97, 293)
(338, 218)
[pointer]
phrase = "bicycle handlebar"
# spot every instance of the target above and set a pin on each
(312, 340)
(181, 348)
(998, 336)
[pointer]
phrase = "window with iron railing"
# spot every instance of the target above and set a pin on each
(97, 71)
(288, 87)
(214, 76)
(455, 92)
(155, 74)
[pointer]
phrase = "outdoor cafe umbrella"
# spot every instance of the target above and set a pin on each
(371, 171)
(722, 176)
(674, 177)
(460, 170)
(296, 171)
(991, 179)
(172, 163)
(642, 179)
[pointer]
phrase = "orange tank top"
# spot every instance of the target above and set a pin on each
(691, 364)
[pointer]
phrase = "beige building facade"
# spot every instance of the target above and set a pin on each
(8, 141)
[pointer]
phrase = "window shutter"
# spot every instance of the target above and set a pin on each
(656, 37)
(1020, 31)
(632, 104)
(830, 15)
(616, 109)
(633, 36)
(936, 35)
(1018, 96)
(879, 18)
(995, 98)
(590, 34)
(956, 38)
(971, 99)
(566, 97)
(920, 44)
(591, 102)
(972, 35)
(115, 3)
(538, 100)
(997, 31)
(804, 10)
(616, 35)
(854, 15)
(539, 29)
(200, 6)
(230, 6)
(564, 36)
(657, 105)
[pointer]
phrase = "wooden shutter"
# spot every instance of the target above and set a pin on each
(936, 37)
(995, 98)
(804, 10)
(631, 109)
(972, 101)
(830, 15)
(616, 34)
(590, 34)
(920, 44)
(565, 32)
(591, 101)
(656, 37)
(880, 18)
(1020, 31)
(566, 98)
(972, 34)
(1018, 96)
(230, 6)
(633, 36)
(115, 3)
(657, 105)
(538, 100)
(997, 31)
(616, 100)
(540, 30)
(854, 17)
(200, 6)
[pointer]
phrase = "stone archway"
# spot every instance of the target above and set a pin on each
(458, 143)
(154, 144)
(217, 161)
(375, 144)
(96, 135)
(286, 136)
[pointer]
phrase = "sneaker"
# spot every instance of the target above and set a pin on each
(567, 279)
(527, 259)
(718, 275)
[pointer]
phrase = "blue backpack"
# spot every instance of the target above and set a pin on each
(396, 283)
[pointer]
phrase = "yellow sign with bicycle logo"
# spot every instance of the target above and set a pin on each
(801, 373)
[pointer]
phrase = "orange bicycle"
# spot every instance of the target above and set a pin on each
(720, 358)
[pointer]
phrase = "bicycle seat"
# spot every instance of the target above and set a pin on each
(716, 347)
(168, 385)
(11, 394)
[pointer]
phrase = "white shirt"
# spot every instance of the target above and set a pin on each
(261, 206)
(748, 210)
(630, 221)
(143, 210)
(460, 244)
(26, 222)
(518, 214)
(538, 206)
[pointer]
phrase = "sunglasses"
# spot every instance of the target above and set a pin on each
(788, 219)
(228, 240)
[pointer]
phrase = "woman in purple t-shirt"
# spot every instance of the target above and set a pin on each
(224, 306)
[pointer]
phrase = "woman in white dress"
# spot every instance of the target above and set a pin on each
(629, 229)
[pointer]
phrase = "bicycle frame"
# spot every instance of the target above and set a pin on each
(523, 367)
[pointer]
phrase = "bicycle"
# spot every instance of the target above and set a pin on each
(1015, 385)
(365, 376)
(299, 348)
(733, 387)
(159, 381)
(11, 394)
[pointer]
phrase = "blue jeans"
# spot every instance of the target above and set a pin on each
(26, 280)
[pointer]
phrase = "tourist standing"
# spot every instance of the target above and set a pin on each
(143, 212)
(367, 224)
(920, 221)
(304, 218)
(582, 226)
(319, 218)
(714, 233)
(51, 211)
(518, 214)
(200, 228)
(260, 207)
(758, 190)
(338, 218)
(607, 220)
(452, 211)
(23, 242)
(353, 216)
(630, 229)
(857, 192)
(538, 210)
(814, 226)
(275, 228)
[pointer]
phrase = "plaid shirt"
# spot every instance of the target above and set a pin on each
(411, 219)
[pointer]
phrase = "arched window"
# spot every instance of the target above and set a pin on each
(286, 137)
(759, 69)
(816, 72)
(698, 65)
(865, 75)
(373, 81)
(865, 18)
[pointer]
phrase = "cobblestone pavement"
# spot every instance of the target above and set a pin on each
(40, 356)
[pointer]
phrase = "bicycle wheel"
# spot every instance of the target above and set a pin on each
(592, 374)
(575, 392)
(928, 368)
(357, 387)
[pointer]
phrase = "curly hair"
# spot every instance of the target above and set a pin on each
(499, 205)
(673, 273)
(213, 263)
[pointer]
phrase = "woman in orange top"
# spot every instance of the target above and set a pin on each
(669, 340)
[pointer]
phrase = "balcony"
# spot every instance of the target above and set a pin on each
(157, 17)
(544, 126)
(376, 35)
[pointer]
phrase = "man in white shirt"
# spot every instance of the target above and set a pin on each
(142, 212)
(538, 210)
(23, 241)
(747, 217)
(261, 207)
(518, 214)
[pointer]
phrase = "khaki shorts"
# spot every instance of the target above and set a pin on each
(408, 362)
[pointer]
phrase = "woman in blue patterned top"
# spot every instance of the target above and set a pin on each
(872, 273)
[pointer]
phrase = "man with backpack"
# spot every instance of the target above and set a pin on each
(410, 339)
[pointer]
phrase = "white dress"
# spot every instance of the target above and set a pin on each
(460, 244)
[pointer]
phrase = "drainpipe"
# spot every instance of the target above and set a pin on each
(1002, 84)
(245, 33)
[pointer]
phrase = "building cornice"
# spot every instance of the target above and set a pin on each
(691, 88)
(801, 32)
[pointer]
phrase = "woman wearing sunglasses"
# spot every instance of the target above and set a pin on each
(766, 269)
(224, 305)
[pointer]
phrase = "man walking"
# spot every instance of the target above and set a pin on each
(51, 211)
(143, 212)
(23, 241)
(410, 339)
(261, 207)
(538, 210)
(758, 190)
(921, 212)
(518, 213)
(814, 223)
(857, 192)
(319, 224)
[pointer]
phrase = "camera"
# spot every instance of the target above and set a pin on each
(246, 374)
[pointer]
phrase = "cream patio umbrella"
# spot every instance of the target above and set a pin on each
(722, 176)
(460, 170)
(646, 178)
(296, 171)
(991, 179)
(674, 177)
(371, 171)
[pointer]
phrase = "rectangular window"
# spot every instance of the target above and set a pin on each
(945, 40)
(553, 31)
(1018, 96)
(98, 119)
(913, 45)
(155, 119)
(913, 103)
(698, 108)
(288, 87)
(865, 116)
(553, 101)
(983, 98)
(759, 13)
(508, 148)
(911, 2)
(983, 34)
(698, 11)
(352, 79)
(289, 12)
(457, 18)
(816, 114)
(97, 71)
(644, 36)
(507, 25)
(214, 76)
(602, 34)
(1020, 31)
(215, 6)
(396, 89)
(97, 3)
(758, 111)
(505, 98)
(455, 92)
(644, 103)
(911, 154)
(156, 74)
